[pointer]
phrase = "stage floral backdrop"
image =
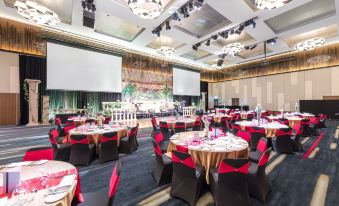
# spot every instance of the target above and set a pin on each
(144, 78)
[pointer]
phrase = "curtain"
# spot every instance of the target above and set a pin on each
(31, 67)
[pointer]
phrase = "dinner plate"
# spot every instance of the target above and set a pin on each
(55, 197)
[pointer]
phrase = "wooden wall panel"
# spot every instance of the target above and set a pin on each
(21, 38)
(323, 57)
(9, 109)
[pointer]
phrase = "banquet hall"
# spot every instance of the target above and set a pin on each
(169, 102)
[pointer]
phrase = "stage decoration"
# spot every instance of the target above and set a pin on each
(310, 44)
(37, 13)
(270, 4)
(152, 80)
(146, 9)
(233, 49)
(165, 51)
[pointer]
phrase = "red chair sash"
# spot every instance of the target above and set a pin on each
(226, 168)
(197, 123)
(180, 148)
(282, 133)
(187, 162)
(164, 125)
(157, 149)
(262, 145)
(158, 137)
(258, 131)
(179, 126)
(82, 141)
(105, 139)
(114, 182)
(36, 155)
(58, 121)
(154, 122)
(264, 159)
(245, 135)
(53, 134)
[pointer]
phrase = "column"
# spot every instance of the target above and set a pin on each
(33, 93)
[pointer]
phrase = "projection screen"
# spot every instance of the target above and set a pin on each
(78, 69)
(186, 82)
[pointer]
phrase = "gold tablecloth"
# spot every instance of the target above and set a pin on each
(171, 123)
(31, 172)
(217, 118)
(208, 159)
(95, 136)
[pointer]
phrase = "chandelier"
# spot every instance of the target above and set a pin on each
(233, 49)
(216, 67)
(270, 4)
(310, 44)
(146, 9)
(37, 13)
(165, 51)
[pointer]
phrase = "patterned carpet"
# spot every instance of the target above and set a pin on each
(293, 178)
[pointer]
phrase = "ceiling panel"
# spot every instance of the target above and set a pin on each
(259, 50)
(243, 38)
(196, 55)
(116, 27)
(63, 8)
(165, 41)
(202, 22)
(302, 15)
(215, 61)
(324, 32)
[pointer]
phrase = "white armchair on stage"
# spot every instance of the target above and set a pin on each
(120, 115)
(188, 111)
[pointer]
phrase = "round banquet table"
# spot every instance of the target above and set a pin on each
(94, 133)
(171, 121)
(209, 153)
(270, 128)
(31, 177)
(291, 120)
(80, 120)
(217, 117)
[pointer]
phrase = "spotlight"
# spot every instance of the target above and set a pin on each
(208, 42)
(215, 37)
(220, 62)
(250, 23)
(253, 47)
(195, 48)
(190, 6)
(175, 17)
(246, 47)
(198, 4)
(240, 29)
(186, 14)
(271, 41)
(224, 34)
(231, 32)
(168, 26)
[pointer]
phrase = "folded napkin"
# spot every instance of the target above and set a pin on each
(17, 164)
(67, 180)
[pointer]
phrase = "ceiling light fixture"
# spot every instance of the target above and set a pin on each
(233, 49)
(216, 67)
(310, 44)
(146, 9)
(198, 4)
(165, 51)
(168, 26)
(37, 13)
(270, 4)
